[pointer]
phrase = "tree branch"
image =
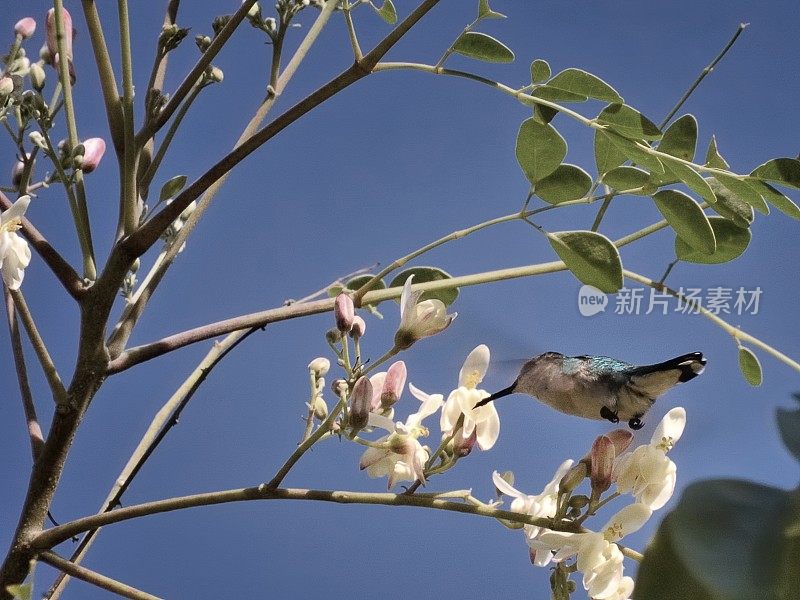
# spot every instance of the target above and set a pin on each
(34, 429)
(58, 265)
(152, 126)
(93, 577)
(56, 535)
(50, 371)
(138, 243)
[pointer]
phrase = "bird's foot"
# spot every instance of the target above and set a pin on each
(609, 415)
(635, 423)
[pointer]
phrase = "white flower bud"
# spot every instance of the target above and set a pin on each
(319, 366)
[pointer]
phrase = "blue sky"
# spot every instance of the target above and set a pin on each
(390, 164)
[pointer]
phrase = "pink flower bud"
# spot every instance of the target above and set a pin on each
(602, 462)
(463, 446)
(52, 40)
(94, 148)
(344, 311)
(70, 69)
(621, 438)
(67, 30)
(359, 328)
(393, 384)
(358, 417)
(25, 28)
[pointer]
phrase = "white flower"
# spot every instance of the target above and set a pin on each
(15, 254)
(599, 557)
(399, 455)
(542, 505)
(647, 473)
(484, 420)
(419, 320)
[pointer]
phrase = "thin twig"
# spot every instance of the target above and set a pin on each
(95, 578)
(703, 74)
(54, 536)
(50, 371)
(34, 429)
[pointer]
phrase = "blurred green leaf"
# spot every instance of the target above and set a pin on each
(629, 122)
(540, 71)
(686, 217)
(591, 257)
(20, 591)
(423, 275)
(730, 206)
(785, 171)
(680, 138)
(750, 367)
(580, 82)
(732, 241)
(484, 12)
(540, 149)
(691, 178)
(171, 188)
(483, 47)
(606, 154)
(789, 426)
(714, 158)
(742, 190)
(626, 178)
(774, 197)
(567, 182)
(726, 540)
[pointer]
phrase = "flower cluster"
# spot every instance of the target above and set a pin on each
(646, 473)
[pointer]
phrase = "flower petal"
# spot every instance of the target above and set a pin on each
(474, 368)
(16, 210)
(504, 487)
(488, 431)
(670, 428)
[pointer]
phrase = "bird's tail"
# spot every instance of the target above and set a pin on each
(688, 366)
(504, 392)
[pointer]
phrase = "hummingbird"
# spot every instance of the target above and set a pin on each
(600, 387)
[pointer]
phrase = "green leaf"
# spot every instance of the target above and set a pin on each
(423, 275)
(482, 47)
(743, 190)
(580, 82)
(714, 158)
(20, 591)
(171, 188)
(626, 178)
(750, 366)
(553, 94)
(688, 220)
(726, 540)
(606, 154)
(774, 197)
(789, 426)
(629, 122)
(484, 12)
(567, 182)
(691, 178)
(640, 155)
(540, 149)
(730, 206)
(785, 171)
(732, 241)
(591, 257)
(540, 71)
(680, 138)
(387, 12)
